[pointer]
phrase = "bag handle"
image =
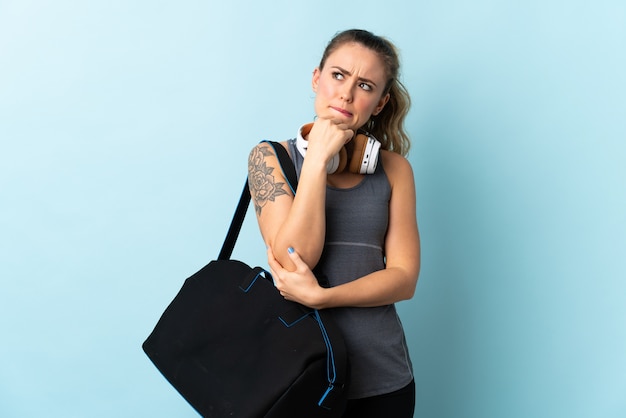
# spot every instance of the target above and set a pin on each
(289, 171)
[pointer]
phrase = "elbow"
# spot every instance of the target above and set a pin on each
(411, 285)
(409, 291)
(309, 255)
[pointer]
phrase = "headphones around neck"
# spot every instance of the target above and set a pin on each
(363, 160)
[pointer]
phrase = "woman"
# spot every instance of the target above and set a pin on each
(356, 233)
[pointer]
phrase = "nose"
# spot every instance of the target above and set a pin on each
(346, 93)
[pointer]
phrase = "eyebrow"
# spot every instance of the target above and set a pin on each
(343, 70)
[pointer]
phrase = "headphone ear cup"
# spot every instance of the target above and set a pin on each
(364, 155)
(338, 163)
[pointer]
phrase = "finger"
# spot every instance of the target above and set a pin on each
(343, 126)
(295, 257)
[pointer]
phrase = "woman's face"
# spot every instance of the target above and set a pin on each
(350, 87)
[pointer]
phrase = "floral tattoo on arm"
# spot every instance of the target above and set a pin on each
(263, 187)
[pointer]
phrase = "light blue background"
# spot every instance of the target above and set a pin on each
(125, 128)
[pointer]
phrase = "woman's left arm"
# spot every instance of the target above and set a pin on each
(402, 251)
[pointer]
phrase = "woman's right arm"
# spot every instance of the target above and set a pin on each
(281, 223)
(287, 221)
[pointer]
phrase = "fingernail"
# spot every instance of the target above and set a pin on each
(290, 250)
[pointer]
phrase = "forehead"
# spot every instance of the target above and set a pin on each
(358, 59)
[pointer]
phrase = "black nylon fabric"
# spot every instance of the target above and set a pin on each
(228, 352)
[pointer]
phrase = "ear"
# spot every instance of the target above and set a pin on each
(316, 79)
(381, 104)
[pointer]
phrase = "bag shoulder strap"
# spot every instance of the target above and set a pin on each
(286, 165)
(289, 171)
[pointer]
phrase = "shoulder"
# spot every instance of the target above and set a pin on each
(263, 150)
(397, 167)
(260, 151)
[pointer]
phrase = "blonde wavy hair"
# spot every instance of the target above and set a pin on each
(388, 125)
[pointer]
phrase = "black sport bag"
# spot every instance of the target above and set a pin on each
(234, 347)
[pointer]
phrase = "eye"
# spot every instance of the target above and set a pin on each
(337, 75)
(365, 86)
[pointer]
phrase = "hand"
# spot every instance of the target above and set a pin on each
(300, 285)
(327, 137)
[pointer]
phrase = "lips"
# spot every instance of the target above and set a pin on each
(342, 111)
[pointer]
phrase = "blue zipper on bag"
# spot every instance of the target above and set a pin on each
(331, 371)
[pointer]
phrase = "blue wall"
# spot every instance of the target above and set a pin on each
(124, 133)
